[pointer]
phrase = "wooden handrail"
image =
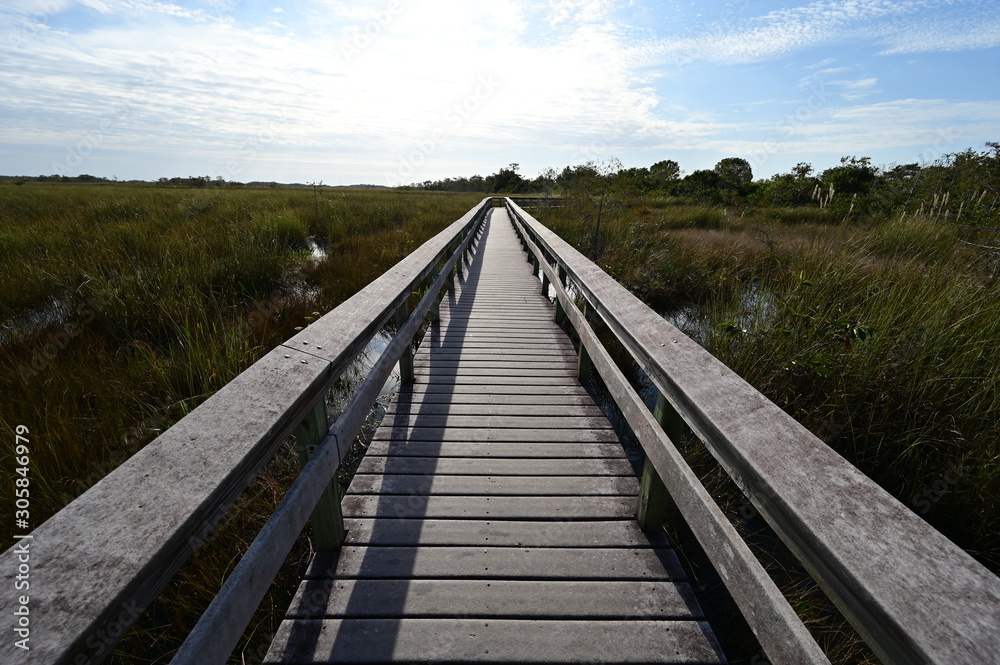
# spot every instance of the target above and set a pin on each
(913, 595)
(217, 633)
(98, 562)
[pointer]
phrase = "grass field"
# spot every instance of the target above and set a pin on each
(124, 307)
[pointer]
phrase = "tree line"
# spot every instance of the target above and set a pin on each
(961, 185)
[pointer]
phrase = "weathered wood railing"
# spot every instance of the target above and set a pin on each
(913, 595)
(538, 201)
(96, 564)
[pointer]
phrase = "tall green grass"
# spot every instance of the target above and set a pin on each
(123, 308)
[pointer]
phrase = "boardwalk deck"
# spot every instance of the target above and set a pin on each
(492, 518)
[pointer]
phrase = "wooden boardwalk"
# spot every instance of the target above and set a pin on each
(492, 519)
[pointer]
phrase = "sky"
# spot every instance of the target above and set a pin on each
(391, 92)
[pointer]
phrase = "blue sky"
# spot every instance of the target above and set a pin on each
(397, 91)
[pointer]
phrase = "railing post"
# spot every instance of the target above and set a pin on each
(560, 312)
(584, 365)
(327, 519)
(436, 305)
(654, 500)
(451, 273)
(406, 360)
(545, 284)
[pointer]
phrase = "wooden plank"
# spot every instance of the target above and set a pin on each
(480, 466)
(529, 367)
(475, 395)
(491, 353)
(496, 599)
(480, 485)
(498, 381)
(495, 641)
(503, 449)
(500, 533)
(470, 434)
(493, 508)
(498, 421)
(463, 372)
(497, 563)
(560, 410)
(911, 593)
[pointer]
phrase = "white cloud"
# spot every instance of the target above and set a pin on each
(905, 26)
(980, 31)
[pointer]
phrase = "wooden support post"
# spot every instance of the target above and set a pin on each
(562, 276)
(560, 313)
(584, 366)
(327, 519)
(654, 501)
(436, 305)
(545, 285)
(406, 360)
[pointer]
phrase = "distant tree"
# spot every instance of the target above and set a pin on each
(664, 174)
(598, 189)
(637, 177)
(787, 189)
(735, 171)
(546, 182)
(703, 186)
(855, 175)
(507, 180)
(802, 170)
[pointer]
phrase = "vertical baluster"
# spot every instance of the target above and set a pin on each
(560, 312)
(406, 360)
(436, 305)
(327, 519)
(585, 365)
(654, 500)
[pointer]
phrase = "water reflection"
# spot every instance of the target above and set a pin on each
(56, 311)
(343, 390)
